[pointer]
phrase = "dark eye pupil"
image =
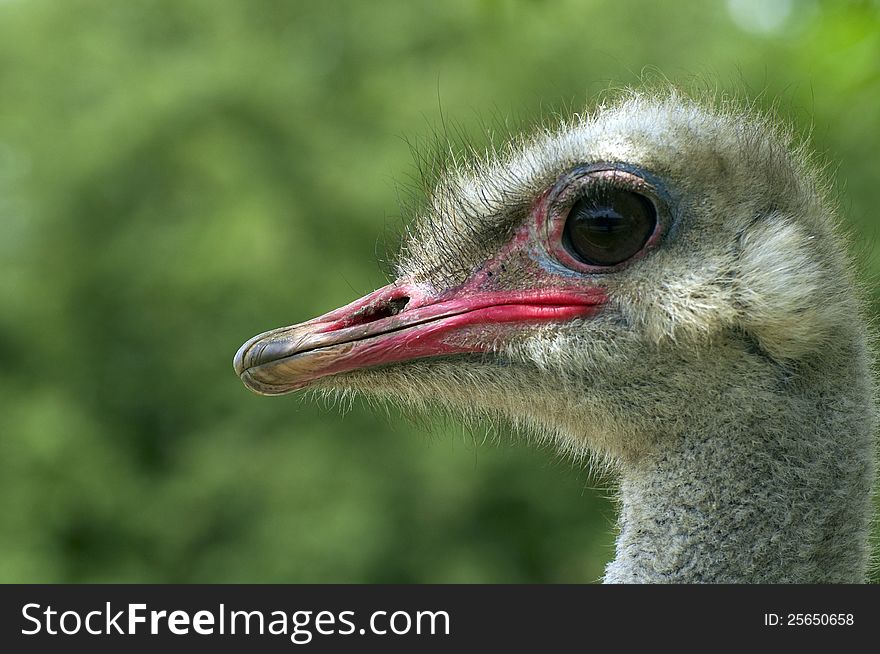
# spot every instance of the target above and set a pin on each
(608, 228)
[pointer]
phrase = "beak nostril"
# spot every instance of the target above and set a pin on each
(378, 311)
(397, 305)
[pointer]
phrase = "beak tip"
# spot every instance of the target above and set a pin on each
(238, 359)
(244, 359)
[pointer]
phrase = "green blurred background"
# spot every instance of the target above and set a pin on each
(178, 175)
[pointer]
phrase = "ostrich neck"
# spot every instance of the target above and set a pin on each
(774, 501)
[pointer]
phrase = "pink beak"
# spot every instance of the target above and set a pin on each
(401, 322)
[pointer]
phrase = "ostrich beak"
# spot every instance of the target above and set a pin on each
(400, 322)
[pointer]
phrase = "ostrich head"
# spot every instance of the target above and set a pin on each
(661, 285)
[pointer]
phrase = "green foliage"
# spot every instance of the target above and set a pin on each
(178, 175)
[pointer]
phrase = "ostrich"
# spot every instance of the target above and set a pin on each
(661, 287)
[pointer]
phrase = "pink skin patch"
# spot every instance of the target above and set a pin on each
(401, 322)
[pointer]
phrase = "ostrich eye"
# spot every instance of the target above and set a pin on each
(609, 227)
